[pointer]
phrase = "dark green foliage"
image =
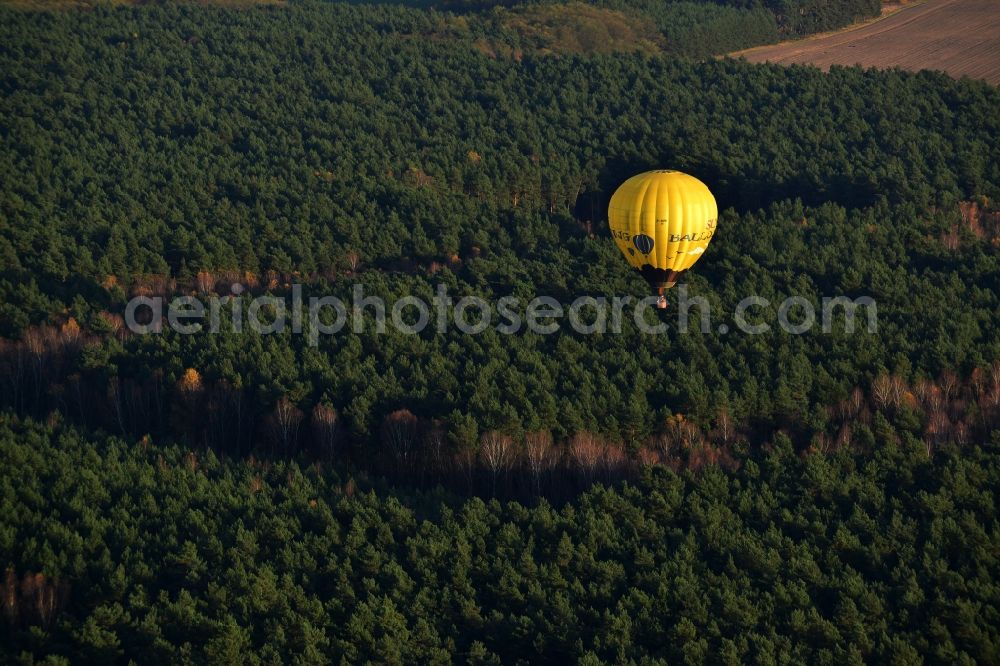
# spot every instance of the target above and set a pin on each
(701, 28)
(304, 142)
(169, 557)
(803, 17)
(176, 149)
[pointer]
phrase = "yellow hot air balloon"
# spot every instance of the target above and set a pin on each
(662, 221)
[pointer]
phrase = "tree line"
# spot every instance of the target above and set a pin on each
(120, 549)
(521, 454)
(182, 158)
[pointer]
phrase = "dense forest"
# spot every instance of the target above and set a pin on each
(717, 26)
(698, 496)
(690, 27)
(183, 157)
(150, 552)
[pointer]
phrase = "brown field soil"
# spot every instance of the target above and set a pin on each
(960, 37)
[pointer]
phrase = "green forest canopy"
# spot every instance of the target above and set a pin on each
(161, 147)
(187, 499)
(170, 557)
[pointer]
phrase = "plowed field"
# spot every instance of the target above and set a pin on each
(960, 37)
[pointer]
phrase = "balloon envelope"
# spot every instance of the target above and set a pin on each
(662, 221)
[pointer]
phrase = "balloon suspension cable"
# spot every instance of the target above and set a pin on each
(661, 300)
